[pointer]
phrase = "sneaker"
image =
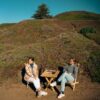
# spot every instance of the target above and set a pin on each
(53, 84)
(61, 95)
(43, 93)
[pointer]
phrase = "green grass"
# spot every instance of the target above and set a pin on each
(78, 15)
(6, 25)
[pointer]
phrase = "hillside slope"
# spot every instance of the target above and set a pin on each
(78, 15)
(52, 42)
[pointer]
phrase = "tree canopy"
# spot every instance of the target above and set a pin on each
(42, 12)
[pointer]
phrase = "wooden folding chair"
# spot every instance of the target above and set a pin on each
(74, 84)
(75, 81)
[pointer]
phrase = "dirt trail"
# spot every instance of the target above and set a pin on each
(86, 90)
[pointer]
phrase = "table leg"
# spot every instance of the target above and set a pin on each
(49, 82)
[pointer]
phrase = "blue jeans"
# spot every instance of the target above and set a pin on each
(65, 78)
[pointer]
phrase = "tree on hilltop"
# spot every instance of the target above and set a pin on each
(42, 12)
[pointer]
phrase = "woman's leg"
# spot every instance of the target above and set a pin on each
(63, 84)
(61, 77)
(65, 78)
(69, 77)
(36, 83)
(63, 81)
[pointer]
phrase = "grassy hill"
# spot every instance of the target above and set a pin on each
(94, 24)
(83, 19)
(6, 25)
(78, 15)
(51, 41)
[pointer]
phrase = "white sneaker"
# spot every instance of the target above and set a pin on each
(53, 84)
(61, 95)
(43, 93)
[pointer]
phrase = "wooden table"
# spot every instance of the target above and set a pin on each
(50, 75)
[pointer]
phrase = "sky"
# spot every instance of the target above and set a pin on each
(12, 11)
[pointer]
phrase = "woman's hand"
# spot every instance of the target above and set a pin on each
(26, 64)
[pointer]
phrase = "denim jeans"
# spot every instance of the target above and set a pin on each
(65, 78)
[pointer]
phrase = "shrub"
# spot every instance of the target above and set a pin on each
(94, 66)
(87, 30)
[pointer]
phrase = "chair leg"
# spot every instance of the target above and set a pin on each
(73, 87)
(27, 84)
